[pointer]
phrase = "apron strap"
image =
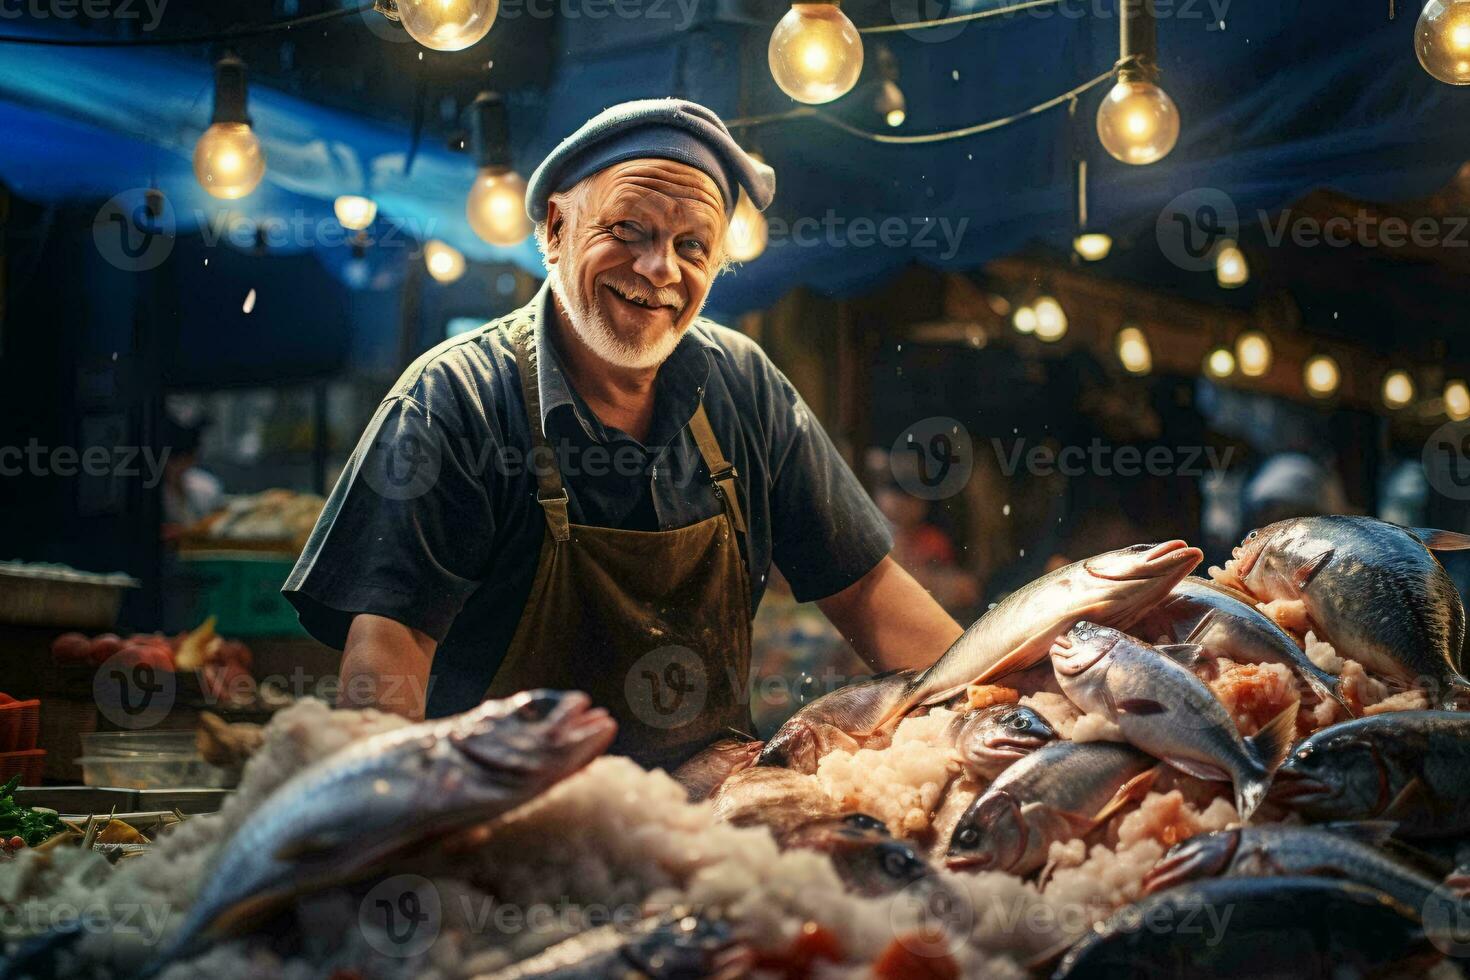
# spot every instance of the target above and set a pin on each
(720, 470)
(551, 494)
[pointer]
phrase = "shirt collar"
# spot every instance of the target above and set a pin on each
(680, 385)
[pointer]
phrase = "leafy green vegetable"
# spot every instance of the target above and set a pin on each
(31, 826)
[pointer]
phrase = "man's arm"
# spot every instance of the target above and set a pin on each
(385, 665)
(890, 620)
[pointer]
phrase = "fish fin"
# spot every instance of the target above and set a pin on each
(1307, 570)
(314, 847)
(1374, 832)
(1274, 740)
(1185, 654)
(1197, 769)
(1139, 706)
(1132, 791)
(1436, 540)
(1406, 800)
(1326, 691)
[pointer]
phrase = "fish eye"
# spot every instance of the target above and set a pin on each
(1255, 532)
(899, 862)
(1018, 722)
(968, 837)
(863, 821)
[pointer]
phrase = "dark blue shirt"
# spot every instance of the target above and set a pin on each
(434, 522)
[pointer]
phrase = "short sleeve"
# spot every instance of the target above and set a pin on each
(407, 529)
(826, 531)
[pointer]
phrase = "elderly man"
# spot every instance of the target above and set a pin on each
(589, 493)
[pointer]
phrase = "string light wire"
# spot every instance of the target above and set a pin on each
(807, 112)
(920, 25)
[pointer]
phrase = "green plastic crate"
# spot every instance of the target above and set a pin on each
(242, 590)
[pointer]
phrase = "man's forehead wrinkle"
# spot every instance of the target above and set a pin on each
(669, 178)
(638, 197)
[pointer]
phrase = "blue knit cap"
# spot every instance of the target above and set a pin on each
(663, 129)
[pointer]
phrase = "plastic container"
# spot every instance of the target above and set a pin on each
(157, 771)
(149, 743)
(20, 725)
(30, 764)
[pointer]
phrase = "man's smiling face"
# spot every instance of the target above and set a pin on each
(633, 253)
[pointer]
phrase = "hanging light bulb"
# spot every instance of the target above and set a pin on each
(815, 53)
(1133, 351)
(443, 25)
(1442, 40)
(1137, 122)
(1398, 389)
(355, 213)
(1093, 246)
(1231, 269)
(496, 206)
(1024, 319)
(1253, 353)
(890, 104)
(228, 160)
(445, 262)
(1457, 400)
(746, 237)
(1051, 320)
(1321, 375)
(1219, 362)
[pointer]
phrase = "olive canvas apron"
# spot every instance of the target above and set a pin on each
(653, 625)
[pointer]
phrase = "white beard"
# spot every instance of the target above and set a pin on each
(592, 328)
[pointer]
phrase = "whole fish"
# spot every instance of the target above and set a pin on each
(1346, 851)
(1164, 709)
(1115, 588)
(704, 773)
(679, 945)
(1254, 929)
(1411, 767)
(958, 795)
(869, 860)
(823, 725)
(1373, 590)
(989, 739)
(1224, 622)
(336, 819)
(780, 799)
(1059, 792)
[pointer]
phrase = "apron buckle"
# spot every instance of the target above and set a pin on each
(556, 513)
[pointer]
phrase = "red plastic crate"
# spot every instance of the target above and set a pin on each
(20, 725)
(30, 763)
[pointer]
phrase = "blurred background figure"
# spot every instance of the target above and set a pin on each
(1291, 485)
(190, 493)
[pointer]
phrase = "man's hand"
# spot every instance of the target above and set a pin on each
(890, 620)
(385, 665)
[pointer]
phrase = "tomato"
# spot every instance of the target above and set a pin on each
(907, 961)
(70, 648)
(103, 647)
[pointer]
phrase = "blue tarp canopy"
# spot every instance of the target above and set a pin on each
(1276, 99)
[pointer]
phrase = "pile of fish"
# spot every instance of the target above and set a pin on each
(1310, 687)
(1345, 857)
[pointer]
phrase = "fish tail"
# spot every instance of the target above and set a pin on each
(1270, 745)
(1436, 540)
